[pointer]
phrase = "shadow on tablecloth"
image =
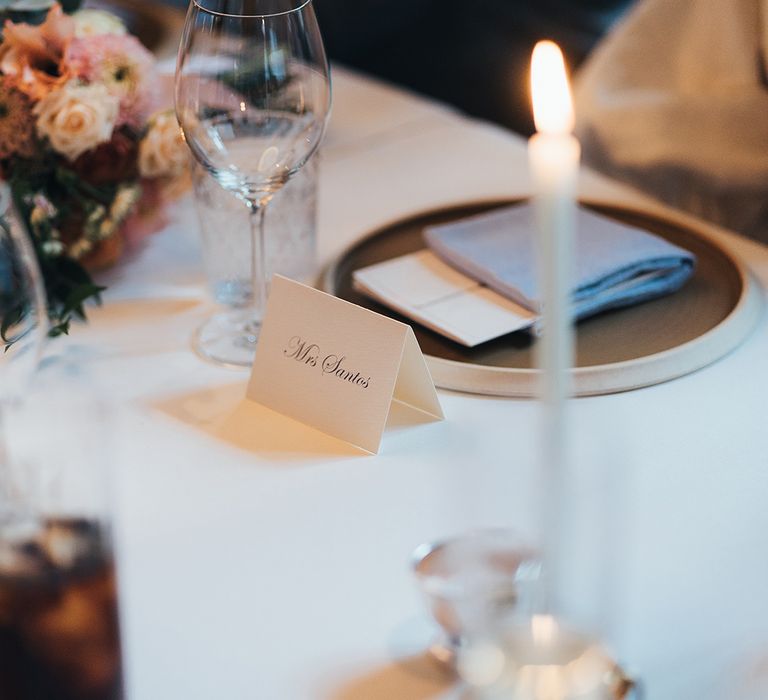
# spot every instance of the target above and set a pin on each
(223, 413)
(413, 678)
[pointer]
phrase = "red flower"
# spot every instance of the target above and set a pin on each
(110, 163)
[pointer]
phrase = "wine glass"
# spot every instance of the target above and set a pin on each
(252, 98)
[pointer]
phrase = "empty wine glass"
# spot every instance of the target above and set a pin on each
(252, 98)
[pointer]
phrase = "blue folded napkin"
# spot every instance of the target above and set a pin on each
(615, 265)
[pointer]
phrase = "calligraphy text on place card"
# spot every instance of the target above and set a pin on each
(301, 352)
(309, 354)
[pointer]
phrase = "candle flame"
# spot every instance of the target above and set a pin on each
(551, 93)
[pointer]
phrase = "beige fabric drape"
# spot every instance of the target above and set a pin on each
(674, 101)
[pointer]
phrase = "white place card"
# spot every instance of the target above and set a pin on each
(336, 366)
(424, 288)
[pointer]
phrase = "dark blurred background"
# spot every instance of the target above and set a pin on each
(472, 54)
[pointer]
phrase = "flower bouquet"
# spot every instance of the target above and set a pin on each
(87, 155)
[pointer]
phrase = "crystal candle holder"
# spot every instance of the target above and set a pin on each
(474, 585)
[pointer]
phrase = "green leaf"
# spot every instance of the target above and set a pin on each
(80, 294)
(61, 328)
(79, 188)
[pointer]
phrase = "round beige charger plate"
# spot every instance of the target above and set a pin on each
(617, 351)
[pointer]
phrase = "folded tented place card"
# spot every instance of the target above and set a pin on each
(478, 281)
(336, 366)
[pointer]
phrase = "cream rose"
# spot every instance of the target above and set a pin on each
(77, 118)
(91, 22)
(162, 151)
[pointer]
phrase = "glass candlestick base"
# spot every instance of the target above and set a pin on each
(476, 581)
(542, 660)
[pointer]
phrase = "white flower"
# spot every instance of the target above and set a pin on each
(124, 201)
(97, 22)
(162, 151)
(53, 247)
(76, 118)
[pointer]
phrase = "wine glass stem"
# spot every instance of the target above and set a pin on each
(257, 211)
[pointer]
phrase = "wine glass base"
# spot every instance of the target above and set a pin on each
(228, 339)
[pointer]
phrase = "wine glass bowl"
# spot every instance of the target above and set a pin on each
(252, 140)
(252, 98)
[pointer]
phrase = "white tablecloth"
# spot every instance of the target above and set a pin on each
(256, 564)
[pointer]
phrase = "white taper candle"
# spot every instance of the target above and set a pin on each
(554, 159)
